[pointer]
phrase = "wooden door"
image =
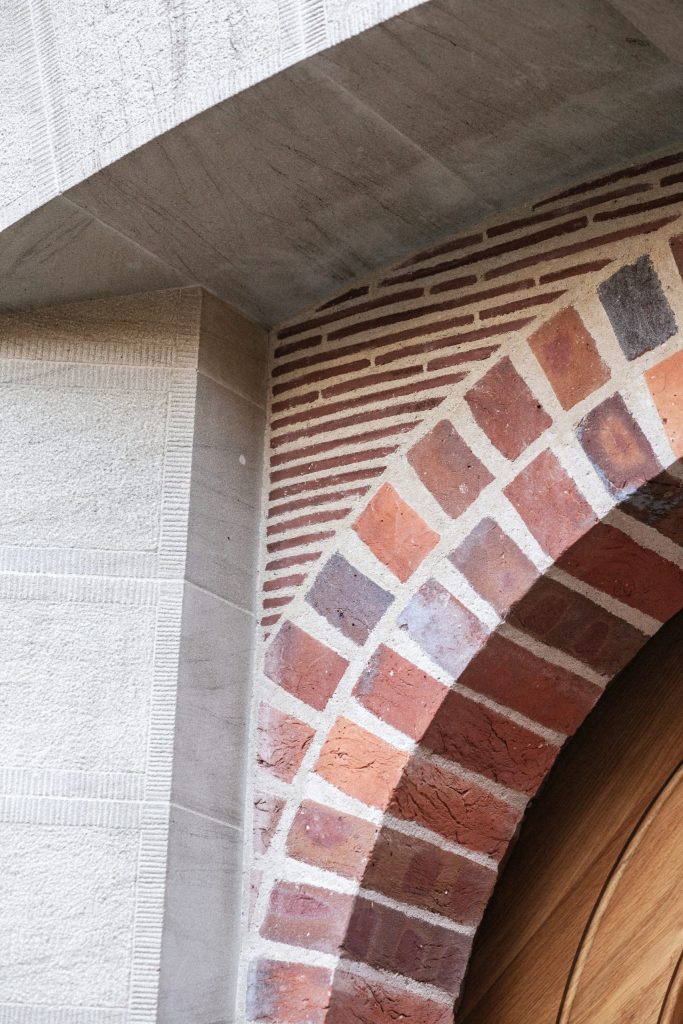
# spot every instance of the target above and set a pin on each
(586, 924)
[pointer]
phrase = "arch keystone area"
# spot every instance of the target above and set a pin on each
(519, 549)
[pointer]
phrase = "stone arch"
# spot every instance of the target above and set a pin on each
(535, 530)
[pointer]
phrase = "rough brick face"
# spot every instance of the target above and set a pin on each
(617, 447)
(569, 357)
(562, 618)
(348, 599)
(516, 678)
(455, 808)
(304, 666)
(483, 741)
(448, 468)
(637, 308)
(360, 763)
(506, 410)
(395, 533)
(412, 871)
(612, 562)
(267, 812)
(494, 565)
(330, 839)
(398, 692)
(443, 627)
(282, 742)
(550, 504)
(305, 915)
(283, 993)
(360, 1000)
(391, 941)
(665, 381)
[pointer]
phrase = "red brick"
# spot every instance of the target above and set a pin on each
(578, 270)
(515, 678)
(284, 458)
(649, 204)
(267, 812)
(395, 533)
(569, 357)
(418, 873)
(455, 808)
(371, 380)
(665, 381)
(617, 447)
(423, 405)
(327, 481)
(494, 565)
(349, 601)
(360, 763)
(340, 370)
(612, 562)
(282, 742)
(447, 631)
(484, 741)
(659, 504)
(506, 410)
(453, 341)
(312, 341)
(514, 307)
(352, 293)
(398, 692)
(404, 316)
(359, 1000)
(290, 560)
(550, 504)
(448, 468)
(299, 541)
(330, 839)
(608, 179)
(283, 582)
(562, 618)
(292, 401)
(313, 500)
(312, 519)
(304, 666)
(342, 314)
(305, 915)
(285, 993)
(485, 293)
(391, 941)
(318, 465)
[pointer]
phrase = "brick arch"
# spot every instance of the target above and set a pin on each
(514, 558)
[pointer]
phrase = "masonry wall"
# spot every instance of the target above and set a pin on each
(130, 442)
(474, 521)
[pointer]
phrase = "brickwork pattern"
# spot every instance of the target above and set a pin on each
(501, 564)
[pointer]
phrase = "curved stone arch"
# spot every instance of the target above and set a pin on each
(547, 543)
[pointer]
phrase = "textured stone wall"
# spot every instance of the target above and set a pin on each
(130, 438)
(87, 81)
(460, 580)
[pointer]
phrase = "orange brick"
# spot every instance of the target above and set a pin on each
(665, 381)
(399, 693)
(360, 763)
(395, 533)
(569, 357)
(304, 666)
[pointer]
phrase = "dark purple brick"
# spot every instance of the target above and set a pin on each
(347, 599)
(637, 308)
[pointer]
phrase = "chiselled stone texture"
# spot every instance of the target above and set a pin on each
(548, 478)
(395, 533)
(569, 357)
(637, 307)
(348, 599)
(304, 666)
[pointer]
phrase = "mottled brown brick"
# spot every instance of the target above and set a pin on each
(360, 763)
(286, 993)
(486, 742)
(413, 871)
(395, 533)
(304, 666)
(565, 619)
(569, 357)
(360, 1000)
(391, 941)
(506, 409)
(495, 566)
(550, 504)
(349, 601)
(398, 692)
(282, 742)
(514, 677)
(455, 808)
(330, 839)
(448, 468)
(617, 447)
(305, 915)
(612, 562)
(447, 631)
